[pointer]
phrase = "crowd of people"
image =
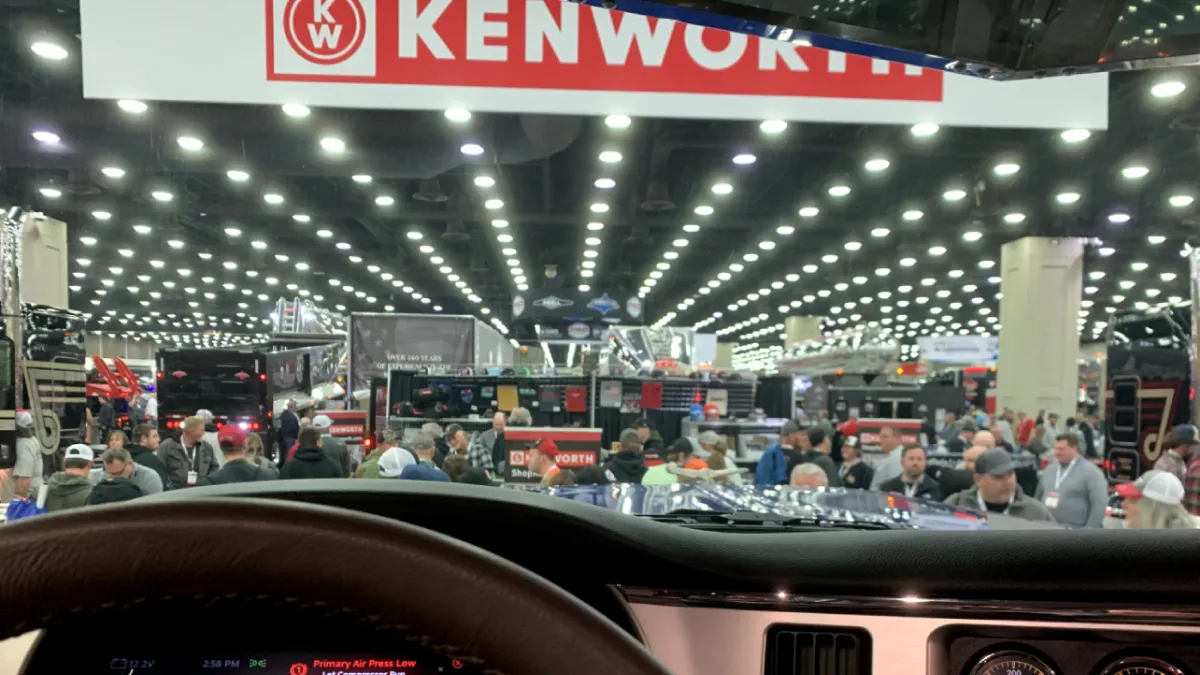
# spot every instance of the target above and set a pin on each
(1061, 482)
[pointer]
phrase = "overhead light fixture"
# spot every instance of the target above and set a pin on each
(493, 204)
(722, 189)
(258, 244)
(273, 198)
(839, 190)
(924, 129)
(296, 110)
(617, 121)
(610, 156)
(1135, 172)
(880, 232)
(1075, 135)
(471, 149)
(744, 159)
(238, 175)
(877, 165)
(809, 211)
(1155, 239)
(113, 172)
(385, 200)
(1119, 218)
(972, 236)
(333, 144)
(46, 137)
(101, 215)
(175, 243)
(143, 229)
(1168, 89)
(852, 245)
(162, 195)
(1180, 201)
(457, 114)
(954, 195)
(772, 126)
(301, 218)
(190, 143)
(361, 178)
(1014, 218)
(50, 51)
(50, 193)
(1006, 169)
(912, 215)
(1067, 197)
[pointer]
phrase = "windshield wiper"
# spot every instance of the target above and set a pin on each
(753, 521)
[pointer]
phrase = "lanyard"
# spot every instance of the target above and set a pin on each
(911, 490)
(983, 507)
(1061, 474)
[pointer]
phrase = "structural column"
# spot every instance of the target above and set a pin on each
(801, 329)
(1042, 282)
(724, 360)
(44, 261)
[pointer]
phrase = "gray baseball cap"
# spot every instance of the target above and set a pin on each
(630, 439)
(994, 462)
(709, 437)
(789, 427)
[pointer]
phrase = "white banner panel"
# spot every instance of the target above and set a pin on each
(545, 56)
(960, 348)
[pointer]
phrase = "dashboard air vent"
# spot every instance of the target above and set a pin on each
(818, 650)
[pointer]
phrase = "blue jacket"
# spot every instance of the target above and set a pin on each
(772, 467)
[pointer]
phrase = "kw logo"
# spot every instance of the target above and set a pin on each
(325, 32)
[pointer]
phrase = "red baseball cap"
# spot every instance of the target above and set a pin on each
(232, 435)
(548, 448)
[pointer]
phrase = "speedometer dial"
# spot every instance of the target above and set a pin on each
(1141, 665)
(1011, 662)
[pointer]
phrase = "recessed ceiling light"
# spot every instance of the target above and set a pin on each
(750, 257)
(1106, 251)
(1067, 197)
(913, 215)
(785, 229)
(302, 266)
(680, 243)
(415, 236)
(1181, 200)
(986, 264)
(1119, 218)
(1006, 169)
(493, 204)
(937, 250)
(472, 149)
(385, 200)
(499, 223)
(809, 212)
(828, 258)
(47, 137)
(296, 110)
(1138, 266)
(101, 215)
(162, 195)
(908, 262)
(839, 190)
(1014, 218)
(143, 229)
(954, 195)
(332, 144)
(744, 159)
(49, 50)
(703, 210)
(852, 245)
(87, 241)
(722, 189)
(51, 193)
(880, 232)
(972, 236)
(617, 121)
(113, 172)
(126, 252)
(259, 244)
(1076, 135)
(343, 246)
(485, 181)
(175, 243)
(876, 165)
(598, 208)
(238, 175)
(233, 232)
(1155, 239)
(772, 126)
(273, 198)
(1168, 89)
(457, 114)
(190, 143)
(766, 245)
(1135, 172)
(925, 129)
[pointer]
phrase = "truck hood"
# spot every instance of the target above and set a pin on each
(832, 506)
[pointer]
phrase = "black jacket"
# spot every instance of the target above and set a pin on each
(289, 429)
(113, 489)
(311, 462)
(147, 458)
(627, 466)
(928, 488)
(952, 481)
(859, 475)
(441, 449)
(237, 471)
(957, 446)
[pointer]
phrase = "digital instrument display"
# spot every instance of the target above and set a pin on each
(384, 662)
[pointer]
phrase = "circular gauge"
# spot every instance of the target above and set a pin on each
(1011, 662)
(1141, 665)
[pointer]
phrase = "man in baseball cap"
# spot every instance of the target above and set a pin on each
(996, 489)
(1154, 501)
(393, 462)
(334, 447)
(70, 488)
(541, 460)
(236, 469)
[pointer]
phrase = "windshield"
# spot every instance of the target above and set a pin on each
(656, 267)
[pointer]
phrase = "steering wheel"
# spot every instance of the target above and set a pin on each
(448, 595)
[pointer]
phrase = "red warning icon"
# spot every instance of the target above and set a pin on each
(298, 669)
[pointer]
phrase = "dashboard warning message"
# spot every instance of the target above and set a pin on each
(354, 667)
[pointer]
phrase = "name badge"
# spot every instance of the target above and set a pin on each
(1052, 500)
(192, 476)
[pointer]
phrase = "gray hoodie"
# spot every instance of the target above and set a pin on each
(1022, 506)
(67, 491)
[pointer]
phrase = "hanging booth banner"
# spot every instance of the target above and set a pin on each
(381, 343)
(960, 348)
(544, 56)
(567, 305)
(577, 449)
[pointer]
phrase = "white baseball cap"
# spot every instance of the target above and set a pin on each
(1160, 486)
(322, 422)
(79, 451)
(24, 419)
(392, 463)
